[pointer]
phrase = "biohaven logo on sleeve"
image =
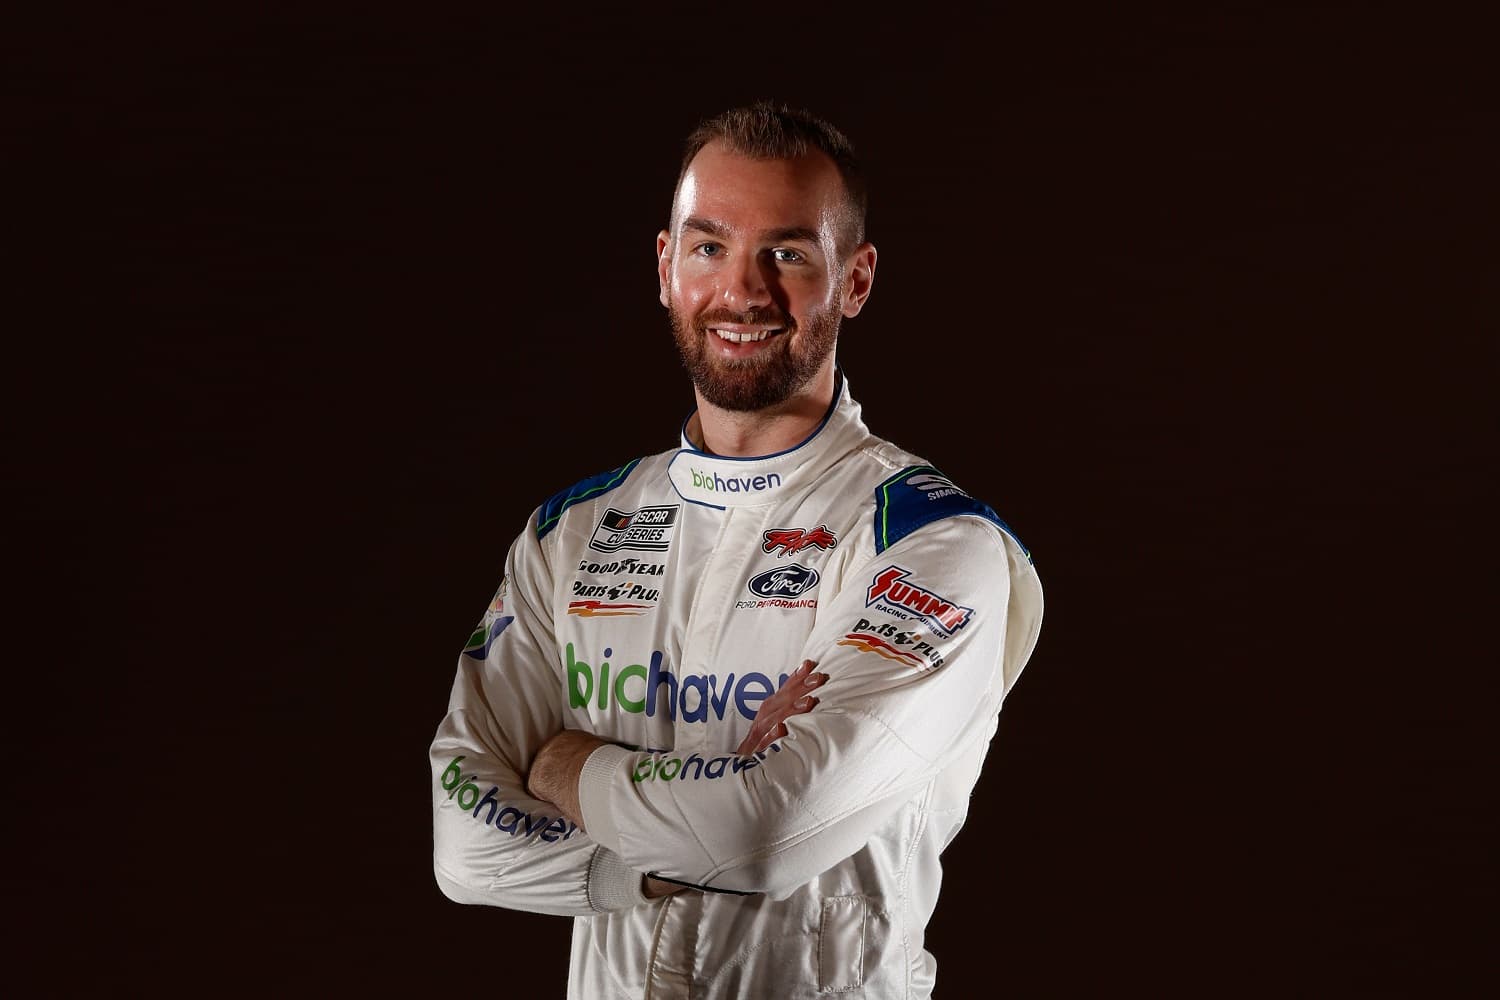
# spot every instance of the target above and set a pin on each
(648, 529)
(891, 591)
(712, 482)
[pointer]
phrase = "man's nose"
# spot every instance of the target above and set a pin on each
(745, 285)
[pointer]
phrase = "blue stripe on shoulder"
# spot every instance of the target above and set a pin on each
(552, 511)
(919, 495)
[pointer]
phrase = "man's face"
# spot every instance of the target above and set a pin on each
(752, 278)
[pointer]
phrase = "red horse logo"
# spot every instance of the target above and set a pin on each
(793, 540)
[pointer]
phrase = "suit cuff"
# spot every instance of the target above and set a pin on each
(612, 884)
(595, 782)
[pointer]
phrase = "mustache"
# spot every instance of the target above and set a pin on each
(768, 316)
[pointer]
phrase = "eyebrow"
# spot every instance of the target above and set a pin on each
(787, 234)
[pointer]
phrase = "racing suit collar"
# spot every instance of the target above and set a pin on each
(720, 481)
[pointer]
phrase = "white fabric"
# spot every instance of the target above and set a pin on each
(831, 836)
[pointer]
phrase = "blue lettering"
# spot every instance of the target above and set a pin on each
(509, 826)
(693, 759)
(719, 702)
(746, 695)
(655, 676)
(490, 800)
(699, 683)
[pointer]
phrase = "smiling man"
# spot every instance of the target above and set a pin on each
(729, 702)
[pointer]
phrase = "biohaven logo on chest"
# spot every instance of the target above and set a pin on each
(712, 482)
(648, 529)
(656, 689)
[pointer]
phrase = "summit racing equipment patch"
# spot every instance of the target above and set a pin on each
(646, 529)
(891, 591)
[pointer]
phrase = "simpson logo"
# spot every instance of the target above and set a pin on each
(942, 614)
(648, 529)
(893, 643)
(793, 540)
(783, 581)
(936, 487)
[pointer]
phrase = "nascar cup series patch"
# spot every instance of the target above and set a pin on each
(647, 529)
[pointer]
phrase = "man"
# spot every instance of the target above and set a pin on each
(730, 701)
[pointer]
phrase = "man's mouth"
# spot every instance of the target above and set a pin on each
(743, 336)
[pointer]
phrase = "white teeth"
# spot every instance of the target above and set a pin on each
(742, 338)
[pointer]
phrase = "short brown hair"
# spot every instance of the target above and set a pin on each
(769, 131)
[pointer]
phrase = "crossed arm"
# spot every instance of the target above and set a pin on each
(554, 773)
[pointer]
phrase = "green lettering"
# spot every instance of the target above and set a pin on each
(580, 681)
(636, 705)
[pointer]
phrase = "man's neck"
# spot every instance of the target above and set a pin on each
(736, 434)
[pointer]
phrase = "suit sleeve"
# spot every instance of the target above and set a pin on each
(492, 842)
(920, 647)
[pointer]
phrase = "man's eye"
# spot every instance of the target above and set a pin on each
(710, 249)
(786, 256)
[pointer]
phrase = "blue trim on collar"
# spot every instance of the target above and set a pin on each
(838, 396)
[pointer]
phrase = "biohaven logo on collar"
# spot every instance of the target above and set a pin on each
(712, 482)
(890, 590)
(648, 529)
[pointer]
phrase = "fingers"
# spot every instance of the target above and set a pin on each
(792, 698)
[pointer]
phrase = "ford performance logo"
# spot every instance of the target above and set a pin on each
(784, 581)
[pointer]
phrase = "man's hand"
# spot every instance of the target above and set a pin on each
(554, 773)
(792, 698)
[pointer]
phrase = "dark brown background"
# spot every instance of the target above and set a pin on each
(1203, 303)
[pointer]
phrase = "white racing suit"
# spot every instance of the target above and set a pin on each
(657, 606)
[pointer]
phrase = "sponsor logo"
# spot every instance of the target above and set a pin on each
(483, 637)
(696, 767)
(936, 487)
(599, 609)
(885, 639)
(648, 529)
(633, 566)
(490, 626)
(630, 596)
(640, 689)
(793, 540)
(777, 602)
(783, 581)
(462, 789)
(715, 483)
(890, 591)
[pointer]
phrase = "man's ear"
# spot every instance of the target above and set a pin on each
(859, 280)
(663, 264)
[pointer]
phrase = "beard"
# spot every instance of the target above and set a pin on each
(773, 375)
